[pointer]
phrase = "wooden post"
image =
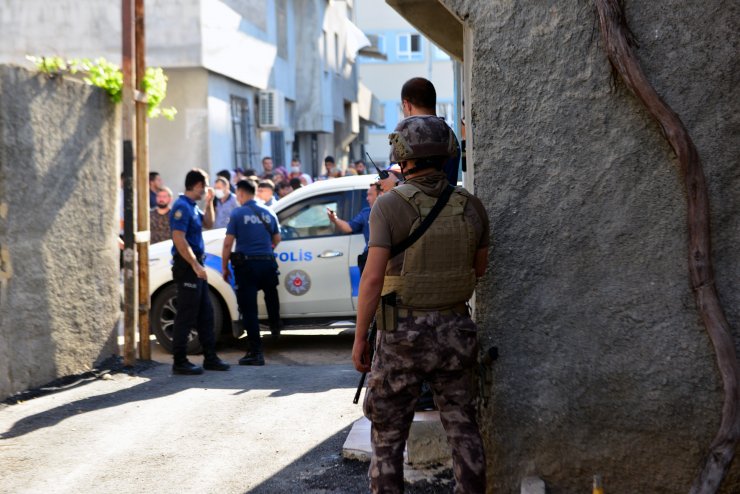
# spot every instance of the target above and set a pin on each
(129, 188)
(142, 171)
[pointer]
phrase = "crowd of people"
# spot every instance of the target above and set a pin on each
(273, 184)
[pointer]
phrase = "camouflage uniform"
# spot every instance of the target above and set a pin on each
(428, 344)
(441, 350)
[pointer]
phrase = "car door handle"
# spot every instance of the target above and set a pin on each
(328, 254)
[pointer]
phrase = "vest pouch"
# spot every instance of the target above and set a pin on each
(432, 290)
(386, 317)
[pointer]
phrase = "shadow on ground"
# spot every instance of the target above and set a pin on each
(324, 470)
(284, 380)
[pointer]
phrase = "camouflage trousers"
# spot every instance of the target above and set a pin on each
(441, 350)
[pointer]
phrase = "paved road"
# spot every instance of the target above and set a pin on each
(272, 429)
(236, 431)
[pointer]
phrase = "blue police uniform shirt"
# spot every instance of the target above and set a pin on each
(361, 223)
(187, 217)
(251, 235)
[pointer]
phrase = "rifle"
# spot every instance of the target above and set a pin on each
(371, 342)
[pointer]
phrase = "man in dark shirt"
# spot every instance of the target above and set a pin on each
(159, 217)
(155, 183)
(418, 97)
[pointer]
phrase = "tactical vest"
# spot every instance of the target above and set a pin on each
(437, 270)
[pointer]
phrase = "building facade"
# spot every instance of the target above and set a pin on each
(249, 78)
(407, 53)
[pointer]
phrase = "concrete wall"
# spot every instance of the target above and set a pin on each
(605, 366)
(59, 296)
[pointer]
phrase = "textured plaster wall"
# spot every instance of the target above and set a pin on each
(59, 297)
(605, 367)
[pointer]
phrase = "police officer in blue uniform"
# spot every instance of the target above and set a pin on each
(256, 231)
(194, 309)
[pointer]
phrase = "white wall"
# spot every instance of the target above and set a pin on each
(378, 15)
(179, 145)
(233, 45)
(92, 29)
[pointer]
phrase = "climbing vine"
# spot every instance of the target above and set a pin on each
(108, 76)
(619, 44)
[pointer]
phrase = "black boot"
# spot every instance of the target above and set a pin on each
(186, 368)
(212, 362)
(276, 328)
(253, 358)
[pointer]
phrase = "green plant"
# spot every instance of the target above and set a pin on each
(108, 76)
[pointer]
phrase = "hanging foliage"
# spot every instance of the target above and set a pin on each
(108, 76)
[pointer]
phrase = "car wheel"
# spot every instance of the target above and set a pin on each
(162, 319)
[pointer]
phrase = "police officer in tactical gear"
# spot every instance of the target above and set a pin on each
(256, 231)
(194, 309)
(420, 293)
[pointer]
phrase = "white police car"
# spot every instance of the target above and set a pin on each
(319, 277)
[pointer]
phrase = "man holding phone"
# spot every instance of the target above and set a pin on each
(360, 223)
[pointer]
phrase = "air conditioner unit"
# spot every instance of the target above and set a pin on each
(271, 109)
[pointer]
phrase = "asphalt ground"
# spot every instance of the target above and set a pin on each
(272, 429)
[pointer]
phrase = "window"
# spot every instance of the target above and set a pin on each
(241, 131)
(309, 219)
(408, 47)
(380, 43)
(277, 147)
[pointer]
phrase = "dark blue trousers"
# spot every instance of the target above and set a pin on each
(194, 311)
(252, 276)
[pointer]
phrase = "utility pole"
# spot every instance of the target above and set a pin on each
(142, 171)
(129, 187)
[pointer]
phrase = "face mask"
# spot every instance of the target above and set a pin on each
(219, 193)
(162, 205)
(295, 169)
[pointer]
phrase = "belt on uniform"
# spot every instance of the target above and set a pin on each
(456, 310)
(177, 257)
(259, 258)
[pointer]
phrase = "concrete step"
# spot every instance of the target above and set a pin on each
(426, 453)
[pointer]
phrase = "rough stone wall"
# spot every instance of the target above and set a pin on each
(605, 367)
(59, 296)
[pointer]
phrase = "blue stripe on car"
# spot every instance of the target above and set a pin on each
(214, 262)
(354, 279)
